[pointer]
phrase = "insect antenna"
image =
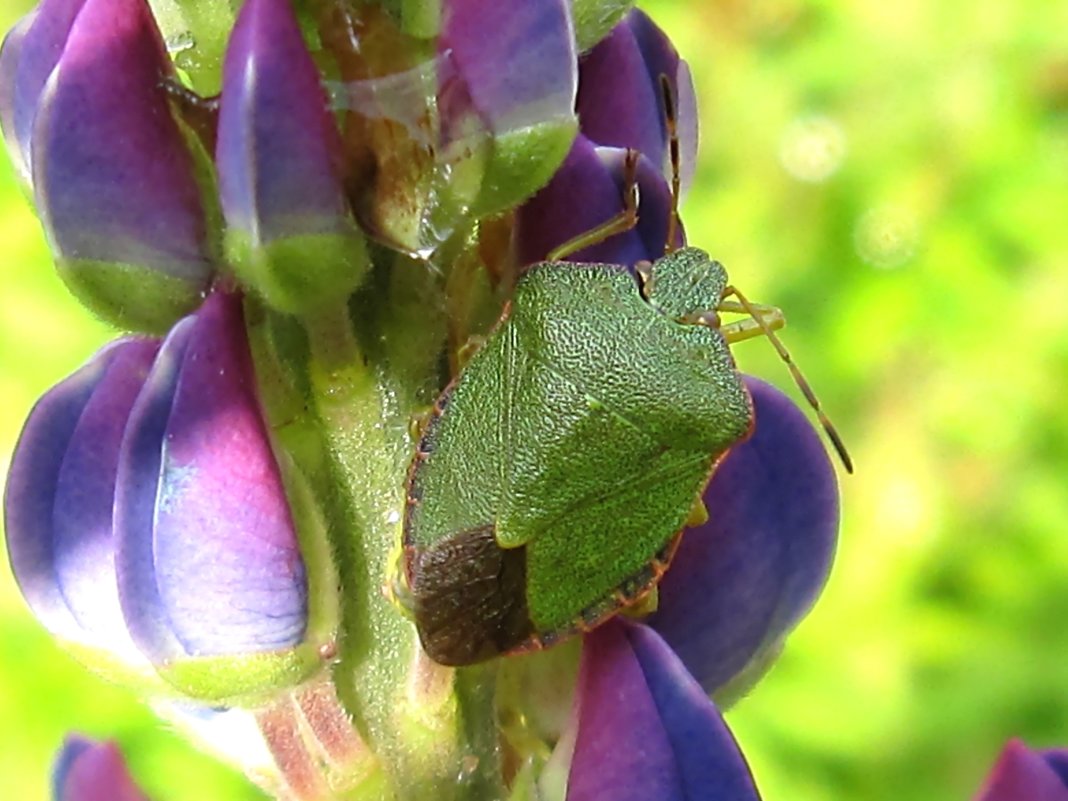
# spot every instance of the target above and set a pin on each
(617, 224)
(763, 320)
(671, 124)
(628, 217)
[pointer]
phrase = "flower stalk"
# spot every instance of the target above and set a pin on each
(344, 224)
(407, 708)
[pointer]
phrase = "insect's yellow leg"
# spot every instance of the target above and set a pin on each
(644, 606)
(418, 421)
(620, 223)
(762, 321)
(760, 317)
(468, 349)
(396, 589)
(698, 513)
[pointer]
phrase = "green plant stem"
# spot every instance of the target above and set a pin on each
(353, 392)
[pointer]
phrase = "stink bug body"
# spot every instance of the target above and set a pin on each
(556, 473)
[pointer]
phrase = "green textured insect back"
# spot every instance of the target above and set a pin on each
(557, 471)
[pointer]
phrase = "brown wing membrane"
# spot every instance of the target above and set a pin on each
(470, 597)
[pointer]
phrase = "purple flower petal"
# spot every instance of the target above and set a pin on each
(1057, 759)
(58, 503)
(279, 150)
(646, 729)
(86, 770)
(535, 44)
(18, 147)
(291, 236)
(113, 178)
(1021, 774)
(140, 463)
(208, 560)
(618, 105)
(29, 497)
(620, 100)
(742, 580)
(29, 54)
(85, 489)
(585, 192)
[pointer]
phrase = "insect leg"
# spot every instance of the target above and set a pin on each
(741, 330)
(628, 217)
(763, 317)
(620, 223)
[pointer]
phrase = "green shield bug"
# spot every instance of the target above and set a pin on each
(556, 473)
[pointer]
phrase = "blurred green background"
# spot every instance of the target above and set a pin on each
(895, 176)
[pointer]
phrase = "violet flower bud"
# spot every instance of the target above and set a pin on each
(27, 57)
(743, 580)
(90, 771)
(515, 78)
(89, 123)
(621, 101)
(586, 191)
(58, 507)
(210, 571)
(435, 143)
(147, 521)
(290, 234)
(1024, 774)
(642, 728)
(621, 106)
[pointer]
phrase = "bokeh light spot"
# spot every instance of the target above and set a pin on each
(886, 237)
(812, 148)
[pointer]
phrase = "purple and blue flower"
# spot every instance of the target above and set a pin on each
(155, 510)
